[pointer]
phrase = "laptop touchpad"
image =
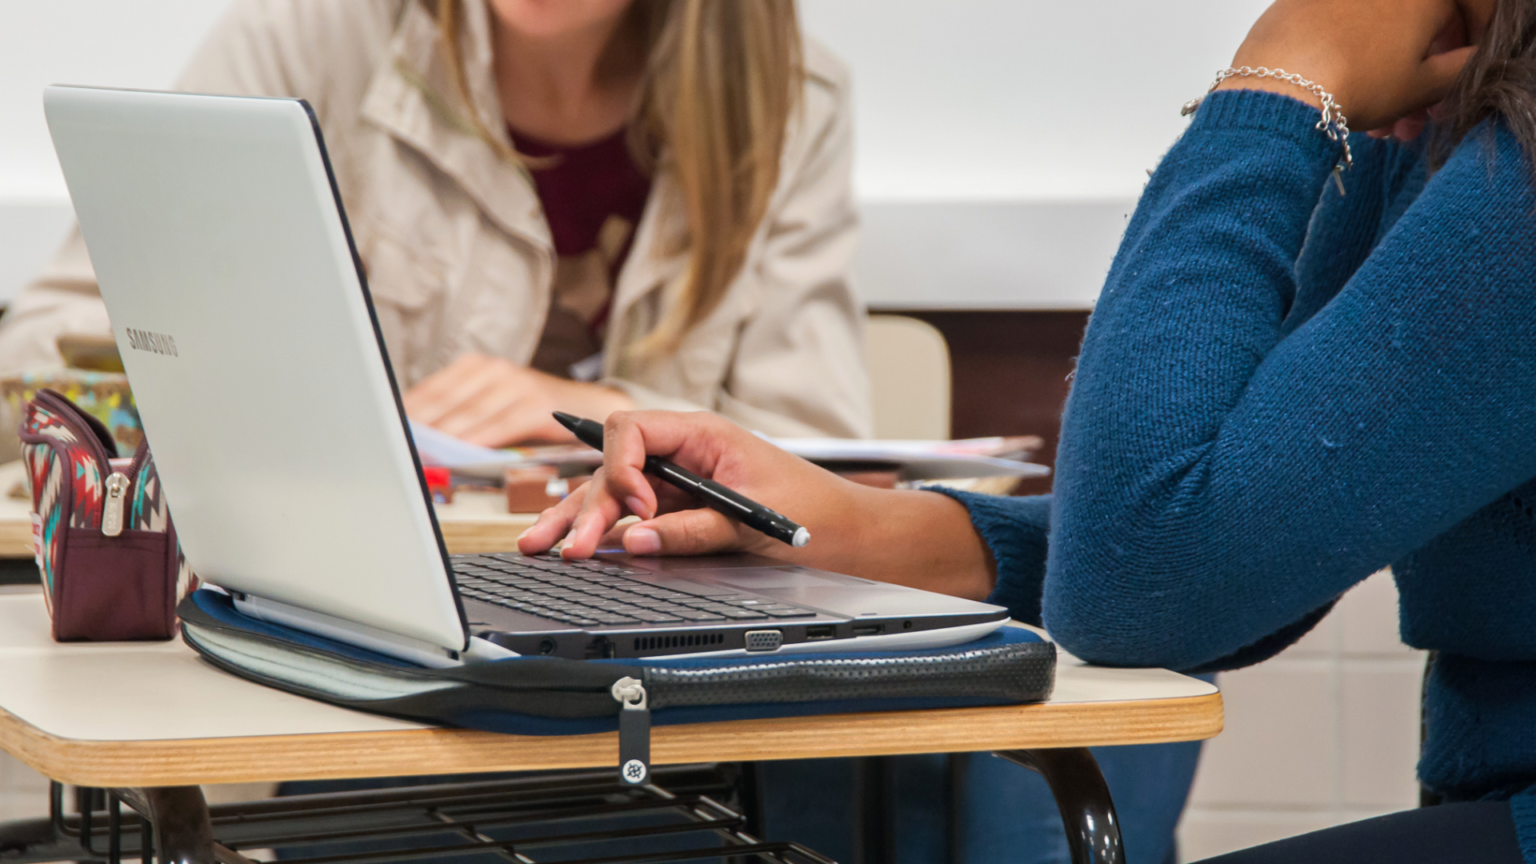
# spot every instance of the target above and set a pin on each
(757, 580)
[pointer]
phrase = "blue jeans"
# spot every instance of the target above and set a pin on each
(1004, 815)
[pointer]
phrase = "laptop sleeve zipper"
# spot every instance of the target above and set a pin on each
(634, 730)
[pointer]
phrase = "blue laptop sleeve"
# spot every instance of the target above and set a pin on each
(555, 696)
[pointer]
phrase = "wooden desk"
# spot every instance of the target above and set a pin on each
(147, 715)
(475, 522)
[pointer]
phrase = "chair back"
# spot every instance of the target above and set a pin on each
(909, 378)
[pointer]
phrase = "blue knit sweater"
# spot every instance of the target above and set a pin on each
(1283, 390)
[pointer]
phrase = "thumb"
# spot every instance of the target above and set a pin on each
(685, 532)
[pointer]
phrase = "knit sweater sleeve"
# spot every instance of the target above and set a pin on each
(1015, 531)
(1221, 479)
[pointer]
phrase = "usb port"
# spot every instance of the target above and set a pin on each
(868, 629)
(825, 631)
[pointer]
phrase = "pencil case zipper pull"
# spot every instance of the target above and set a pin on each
(634, 730)
(112, 511)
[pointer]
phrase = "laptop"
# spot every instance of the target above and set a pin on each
(242, 313)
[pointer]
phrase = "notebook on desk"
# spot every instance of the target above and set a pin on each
(243, 316)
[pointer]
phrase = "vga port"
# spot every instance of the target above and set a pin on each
(764, 640)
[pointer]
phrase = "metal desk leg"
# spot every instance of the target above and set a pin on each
(183, 833)
(874, 839)
(1093, 829)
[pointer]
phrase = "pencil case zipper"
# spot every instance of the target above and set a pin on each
(116, 474)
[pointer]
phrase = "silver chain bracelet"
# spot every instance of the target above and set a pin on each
(1332, 123)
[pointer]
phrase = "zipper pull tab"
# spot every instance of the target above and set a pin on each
(634, 731)
(112, 511)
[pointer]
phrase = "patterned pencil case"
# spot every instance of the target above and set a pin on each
(106, 549)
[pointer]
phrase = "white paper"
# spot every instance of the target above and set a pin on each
(918, 460)
(440, 448)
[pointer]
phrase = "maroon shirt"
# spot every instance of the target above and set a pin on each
(593, 196)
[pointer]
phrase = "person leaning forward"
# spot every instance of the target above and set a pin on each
(460, 258)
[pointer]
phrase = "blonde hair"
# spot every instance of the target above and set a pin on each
(721, 81)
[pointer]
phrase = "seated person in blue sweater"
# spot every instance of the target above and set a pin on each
(1288, 383)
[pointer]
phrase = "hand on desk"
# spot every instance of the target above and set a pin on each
(922, 539)
(494, 402)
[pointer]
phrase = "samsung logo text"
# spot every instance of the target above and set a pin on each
(155, 343)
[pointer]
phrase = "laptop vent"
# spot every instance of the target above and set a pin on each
(685, 640)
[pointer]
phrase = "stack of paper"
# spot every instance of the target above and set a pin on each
(462, 457)
(916, 460)
(921, 460)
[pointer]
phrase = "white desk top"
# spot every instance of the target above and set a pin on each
(134, 714)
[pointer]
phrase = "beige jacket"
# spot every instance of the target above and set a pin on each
(457, 251)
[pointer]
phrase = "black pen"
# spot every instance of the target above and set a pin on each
(716, 497)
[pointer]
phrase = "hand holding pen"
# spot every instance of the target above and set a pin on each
(650, 457)
(907, 536)
(707, 492)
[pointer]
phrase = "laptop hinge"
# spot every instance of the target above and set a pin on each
(368, 638)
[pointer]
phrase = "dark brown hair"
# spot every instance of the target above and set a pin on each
(1500, 79)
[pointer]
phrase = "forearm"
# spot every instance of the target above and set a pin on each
(907, 537)
(62, 300)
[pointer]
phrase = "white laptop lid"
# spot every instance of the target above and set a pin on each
(249, 339)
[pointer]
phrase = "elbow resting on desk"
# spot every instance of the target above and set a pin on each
(1171, 585)
(1121, 632)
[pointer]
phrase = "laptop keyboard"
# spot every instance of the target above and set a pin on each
(600, 593)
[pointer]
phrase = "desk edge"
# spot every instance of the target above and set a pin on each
(177, 762)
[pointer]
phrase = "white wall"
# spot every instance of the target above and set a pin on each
(1001, 144)
(1326, 733)
(1003, 99)
(1011, 104)
(120, 43)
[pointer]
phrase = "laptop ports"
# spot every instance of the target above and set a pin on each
(868, 629)
(821, 631)
(764, 640)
